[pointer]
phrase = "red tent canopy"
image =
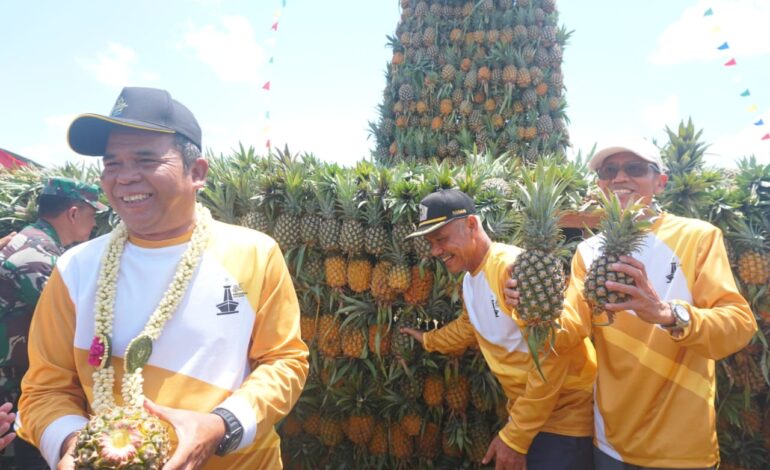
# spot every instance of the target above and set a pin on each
(9, 159)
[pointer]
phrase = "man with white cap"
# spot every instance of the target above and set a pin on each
(655, 386)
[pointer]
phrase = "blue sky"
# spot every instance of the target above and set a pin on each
(630, 68)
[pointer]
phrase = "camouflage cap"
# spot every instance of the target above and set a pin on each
(71, 189)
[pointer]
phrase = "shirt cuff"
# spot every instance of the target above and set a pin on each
(242, 410)
(55, 434)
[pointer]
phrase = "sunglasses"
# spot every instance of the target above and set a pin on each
(632, 169)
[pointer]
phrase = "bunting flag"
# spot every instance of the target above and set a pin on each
(724, 46)
(270, 43)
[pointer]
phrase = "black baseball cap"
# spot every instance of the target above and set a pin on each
(148, 109)
(439, 208)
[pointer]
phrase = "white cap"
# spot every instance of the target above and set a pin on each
(641, 148)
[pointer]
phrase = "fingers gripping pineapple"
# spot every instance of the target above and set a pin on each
(623, 230)
(538, 271)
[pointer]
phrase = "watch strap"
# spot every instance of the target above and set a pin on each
(233, 431)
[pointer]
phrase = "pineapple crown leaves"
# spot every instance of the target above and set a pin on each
(623, 228)
(541, 194)
(405, 193)
(348, 196)
(293, 190)
(751, 234)
(685, 151)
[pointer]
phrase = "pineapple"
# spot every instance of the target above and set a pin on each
(538, 270)
(428, 441)
(123, 438)
(401, 444)
(352, 231)
(433, 390)
(335, 269)
(357, 401)
(400, 274)
(479, 438)
(328, 335)
(405, 192)
(420, 288)
(330, 430)
(379, 340)
(287, 225)
(751, 238)
(329, 229)
(359, 274)
(375, 235)
(380, 288)
(378, 444)
(623, 232)
(457, 394)
(354, 341)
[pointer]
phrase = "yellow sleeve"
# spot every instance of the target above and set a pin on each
(51, 388)
(529, 412)
(278, 356)
(576, 319)
(721, 321)
(452, 338)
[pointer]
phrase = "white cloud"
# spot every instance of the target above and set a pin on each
(229, 48)
(656, 116)
(695, 38)
(116, 66)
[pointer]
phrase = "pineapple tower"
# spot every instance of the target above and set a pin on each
(473, 73)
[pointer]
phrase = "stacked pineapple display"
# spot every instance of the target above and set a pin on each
(464, 73)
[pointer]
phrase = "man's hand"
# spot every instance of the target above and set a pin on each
(6, 421)
(505, 458)
(67, 452)
(198, 433)
(416, 334)
(644, 301)
(510, 291)
(4, 241)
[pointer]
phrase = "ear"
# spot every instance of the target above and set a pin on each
(199, 170)
(72, 214)
(660, 184)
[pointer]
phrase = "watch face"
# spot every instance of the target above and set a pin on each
(681, 313)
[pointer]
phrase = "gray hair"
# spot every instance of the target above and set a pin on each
(189, 151)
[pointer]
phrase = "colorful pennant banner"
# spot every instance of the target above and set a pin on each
(271, 42)
(753, 108)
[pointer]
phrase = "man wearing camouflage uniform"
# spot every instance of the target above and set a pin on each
(66, 210)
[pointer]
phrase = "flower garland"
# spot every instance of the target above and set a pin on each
(139, 349)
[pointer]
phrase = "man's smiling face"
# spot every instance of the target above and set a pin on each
(630, 188)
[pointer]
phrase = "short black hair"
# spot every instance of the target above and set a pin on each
(51, 206)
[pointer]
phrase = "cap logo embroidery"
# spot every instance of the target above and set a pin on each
(120, 105)
(423, 212)
(459, 211)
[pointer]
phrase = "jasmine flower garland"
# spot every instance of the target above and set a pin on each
(139, 349)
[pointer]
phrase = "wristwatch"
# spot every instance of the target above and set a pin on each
(233, 432)
(681, 317)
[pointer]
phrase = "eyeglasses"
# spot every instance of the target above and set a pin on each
(632, 169)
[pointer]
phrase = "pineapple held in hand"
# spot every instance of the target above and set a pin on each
(538, 271)
(123, 438)
(623, 230)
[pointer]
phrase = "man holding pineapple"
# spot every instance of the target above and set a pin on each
(550, 421)
(200, 316)
(658, 333)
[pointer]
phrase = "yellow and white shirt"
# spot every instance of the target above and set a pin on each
(655, 392)
(234, 341)
(560, 405)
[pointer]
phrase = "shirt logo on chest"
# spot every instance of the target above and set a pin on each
(228, 306)
(495, 307)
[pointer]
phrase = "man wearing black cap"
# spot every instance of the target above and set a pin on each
(222, 365)
(550, 421)
(66, 210)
